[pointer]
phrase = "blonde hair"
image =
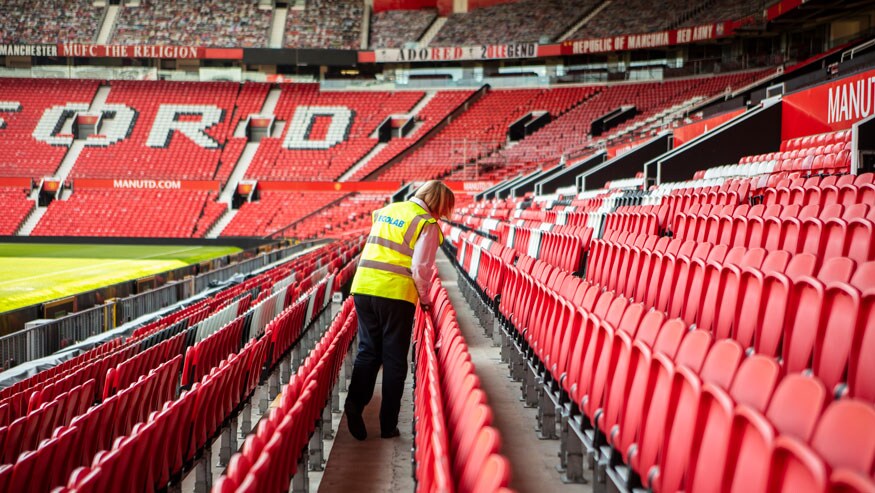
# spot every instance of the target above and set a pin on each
(438, 197)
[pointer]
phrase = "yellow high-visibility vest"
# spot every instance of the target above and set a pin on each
(384, 267)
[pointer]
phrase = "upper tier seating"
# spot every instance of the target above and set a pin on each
(16, 207)
(481, 130)
(440, 105)
(180, 157)
(212, 23)
(521, 21)
(21, 154)
(368, 110)
(276, 210)
(135, 213)
(649, 17)
(325, 24)
(47, 22)
(571, 131)
(394, 28)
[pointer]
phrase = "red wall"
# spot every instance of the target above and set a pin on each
(381, 5)
(836, 105)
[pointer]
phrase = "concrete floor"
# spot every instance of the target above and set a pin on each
(374, 465)
(533, 461)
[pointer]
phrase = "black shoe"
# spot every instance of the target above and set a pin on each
(390, 434)
(356, 425)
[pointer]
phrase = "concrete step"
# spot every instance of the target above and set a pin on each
(216, 229)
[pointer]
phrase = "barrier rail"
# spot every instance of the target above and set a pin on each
(46, 338)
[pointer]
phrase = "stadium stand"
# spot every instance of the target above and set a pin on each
(16, 207)
(41, 21)
(441, 105)
(276, 210)
(455, 446)
(698, 336)
(133, 213)
(481, 130)
(395, 28)
(618, 18)
(31, 146)
(522, 21)
(177, 132)
(570, 132)
(213, 23)
(339, 138)
(54, 436)
(353, 213)
(325, 24)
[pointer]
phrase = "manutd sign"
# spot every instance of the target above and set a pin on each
(454, 53)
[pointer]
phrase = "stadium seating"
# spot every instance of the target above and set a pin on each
(570, 132)
(16, 207)
(154, 149)
(214, 23)
(116, 440)
(523, 21)
(42, 22)
(276, 210)
(456, 448)
(21, 153)
(325, 24)
(395, 28)
(481, 130)
(135, 213)
(317, 162)
(351, 214)
(694, 323)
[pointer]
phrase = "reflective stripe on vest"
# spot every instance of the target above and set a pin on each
(385, 265)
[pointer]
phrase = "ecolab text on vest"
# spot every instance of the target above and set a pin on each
(390, 220)
(851, 101)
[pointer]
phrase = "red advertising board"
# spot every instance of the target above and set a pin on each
(15, 182)
(684, 134)
(782, 8)
(836, 105)
(648, 40)
(148, 184)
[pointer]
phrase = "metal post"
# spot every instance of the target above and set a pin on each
(246, 419)
(301, 479)
(317, 456)
(327, 424)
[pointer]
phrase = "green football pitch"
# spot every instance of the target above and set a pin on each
(34, 273)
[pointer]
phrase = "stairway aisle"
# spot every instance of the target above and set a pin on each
(375, 465)
(533, 461)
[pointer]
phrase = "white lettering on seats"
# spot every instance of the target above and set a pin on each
(298, 134)
(123, 120)
(8, 107)
(52, 121)
(167, 121)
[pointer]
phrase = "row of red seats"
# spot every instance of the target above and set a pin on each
(768, 302)
(145, 460)
(48, 466)
(129, 371)
(456, 448)
(631, 379)
(16, 207)
(823, 195)
(58, 369)
(25, 433)
(563, 246)
(208, 353)
(834, 237)
(270, 456)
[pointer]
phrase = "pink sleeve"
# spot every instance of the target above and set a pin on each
(422, 267)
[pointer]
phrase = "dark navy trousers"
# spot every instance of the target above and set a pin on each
(384, 328)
